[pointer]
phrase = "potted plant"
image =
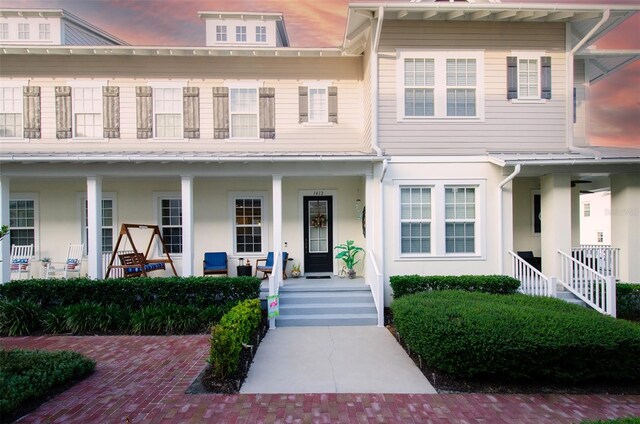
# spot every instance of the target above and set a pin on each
(295, 271)
(347, 252)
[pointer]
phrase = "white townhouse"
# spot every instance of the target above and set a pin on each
(459, 127)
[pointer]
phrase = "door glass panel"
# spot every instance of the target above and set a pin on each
(318, 228)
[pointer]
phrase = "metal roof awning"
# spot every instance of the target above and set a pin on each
(601, 156)
(600, 63)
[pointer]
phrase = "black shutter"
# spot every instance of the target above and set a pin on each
(512, 77)
(545, 76)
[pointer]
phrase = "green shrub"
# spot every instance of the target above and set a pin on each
(517, 337)
(54, 321)
(134, 293)
(91, 318)
(19, 317)
(629, 420)
(628, 298)
(227, 337)
(403, 285)
(27, 376)
(166, 319)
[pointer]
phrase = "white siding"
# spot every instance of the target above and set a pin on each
(367, 106)
(284, 74)
(507, 126)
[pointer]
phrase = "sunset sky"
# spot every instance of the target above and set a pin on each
(615, 108)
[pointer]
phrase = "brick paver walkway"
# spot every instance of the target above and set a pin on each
(143, 379)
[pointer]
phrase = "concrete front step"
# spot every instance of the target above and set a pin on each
(569, 297)
(289, 298)
(327, 308)
(326, 320)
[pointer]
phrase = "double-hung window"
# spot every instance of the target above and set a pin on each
(441, 85)
(318, 104)
(261, 34)
(167, 111)
(241, 33)
(221, 33)
(528, 79)
(171, 223)
(107, 229)
(4, 31)
(243, 112)
(11, 112)
(87, 112)
(528, 76)
(23, 31)
(248, 218)
(440, 218)
(22, 220)
(45, 31)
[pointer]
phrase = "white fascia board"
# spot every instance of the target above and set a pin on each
(447, 6)
(260, 16)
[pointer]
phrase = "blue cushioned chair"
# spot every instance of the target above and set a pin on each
(268, 266)
(215, 263)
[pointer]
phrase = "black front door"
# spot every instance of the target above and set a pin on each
(318, 234)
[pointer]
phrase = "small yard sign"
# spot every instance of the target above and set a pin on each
(273, 305)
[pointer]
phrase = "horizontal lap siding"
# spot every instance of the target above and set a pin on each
(366, 97)
(507, 127)
(285, 75)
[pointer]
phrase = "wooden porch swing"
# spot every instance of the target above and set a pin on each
(137, 264)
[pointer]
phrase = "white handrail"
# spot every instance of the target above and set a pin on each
(375, 281)
(593, 288)
(532, 281)
(275, 280)
(602, 258)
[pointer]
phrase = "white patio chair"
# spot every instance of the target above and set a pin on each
(72, 265)
(21, 260)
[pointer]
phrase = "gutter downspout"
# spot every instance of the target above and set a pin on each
(504, 182)
(570, 82)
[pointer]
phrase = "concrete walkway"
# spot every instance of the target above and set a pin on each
(143, 380)
(333, 360)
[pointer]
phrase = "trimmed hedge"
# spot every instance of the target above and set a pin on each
(403, 285)
(629, 420)
(227, 337)
(628, 298)
(134, 293)
(27, 376)
(517, 337)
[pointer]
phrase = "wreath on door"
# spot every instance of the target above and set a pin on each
(319, 221)
(364, 222)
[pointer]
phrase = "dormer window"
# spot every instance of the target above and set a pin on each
(221, 33)
(4, 31)
(241, 33)
(45, 31)
(261, 34)
(23, 31)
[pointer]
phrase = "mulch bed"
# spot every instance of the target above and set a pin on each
(207, 383)
(446, 383)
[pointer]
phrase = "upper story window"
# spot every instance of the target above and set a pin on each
(528, 76)
(440, 85)
(241, 33)
(261, 34)
(587, 210)
(4, 31)
(167, 111)
(87, 112)
(23, 31)
(318, 104)
(243, 112)
(11, 112)
(45, 31)
(221, 33)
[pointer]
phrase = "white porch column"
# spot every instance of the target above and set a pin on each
(625, 224)
(555, 199)
(94, 226)
(5, 244)
(277, 211)
(370, 211)
(187, 225)
(575, 216)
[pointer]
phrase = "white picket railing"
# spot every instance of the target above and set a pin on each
(375, 281)
(532, 281)
(115, 272)
(275, 281)
(593, 288)
(603, 259)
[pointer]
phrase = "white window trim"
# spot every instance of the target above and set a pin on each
(157, 196)
(526, 54)
(155, 84)
(225, 33)
(440, 88)
(16, 84)
(429, 220)
(28, 24)
(266, 34)
(251, 85)
(246, 33)
(6, 25)
(318, 85)
(438, 222)
(266, 220)
(36, 218)
(81, 199)
(73, 114)
(47, 26)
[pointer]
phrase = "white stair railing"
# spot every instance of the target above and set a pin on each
(275, 281)
(375, 282)
(532, 281)
(602, 258)
(593, 288)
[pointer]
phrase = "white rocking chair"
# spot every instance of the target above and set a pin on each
(21, 260)
(73, 264)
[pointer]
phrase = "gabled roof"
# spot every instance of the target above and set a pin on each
(583, 17)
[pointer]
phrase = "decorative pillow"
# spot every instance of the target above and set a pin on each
(72, 264)
(19, 264)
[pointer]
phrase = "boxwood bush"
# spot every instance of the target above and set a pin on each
(517, 337)
(403, 285)
(133, 293)
(27, 376)
(628, 297)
